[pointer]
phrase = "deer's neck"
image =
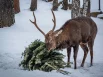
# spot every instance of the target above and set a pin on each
(62, 39)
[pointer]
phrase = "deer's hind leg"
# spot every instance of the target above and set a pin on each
(90, 45)
(85, 49)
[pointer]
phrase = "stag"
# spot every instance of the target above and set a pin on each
(78, 31)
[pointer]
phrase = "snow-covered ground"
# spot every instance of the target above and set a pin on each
(14, 39)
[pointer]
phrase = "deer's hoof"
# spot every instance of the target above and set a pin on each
(91, 65)
(75, 67)
(82, 65)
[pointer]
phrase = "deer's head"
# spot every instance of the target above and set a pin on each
(50, 37)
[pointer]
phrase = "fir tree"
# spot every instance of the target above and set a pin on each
(36, 57)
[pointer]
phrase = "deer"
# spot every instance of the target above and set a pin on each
(74, 32)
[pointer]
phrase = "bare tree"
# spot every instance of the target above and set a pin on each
(65, 4)
(99, 6)
(86, 8)
(33, 6)
(6, 13)
(77, 11)
(48, 0)
(56, 4)
(16, 6)
(75, 8)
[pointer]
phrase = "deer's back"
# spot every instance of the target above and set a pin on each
(88, 22)
(80, 28)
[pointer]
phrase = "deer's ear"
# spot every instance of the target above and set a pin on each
(59, 32)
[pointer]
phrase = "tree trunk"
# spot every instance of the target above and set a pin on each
(99, 5)
(55, 5)
(65, 4)
(47, 0)
(75, 8)
(50, 0)
(6, 13)
(33, 6)
(86, 8)
(16, 6)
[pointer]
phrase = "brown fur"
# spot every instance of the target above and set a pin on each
(75, 32)
(78, 31)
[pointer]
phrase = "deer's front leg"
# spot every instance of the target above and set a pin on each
(76, 47)
(68, 55)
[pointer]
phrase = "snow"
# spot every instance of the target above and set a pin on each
(95, 10)
(100, 15)
(14, 39)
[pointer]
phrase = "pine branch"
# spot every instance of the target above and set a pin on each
(37, 57)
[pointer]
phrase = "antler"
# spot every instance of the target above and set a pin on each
(54, 21)
(36, 24)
